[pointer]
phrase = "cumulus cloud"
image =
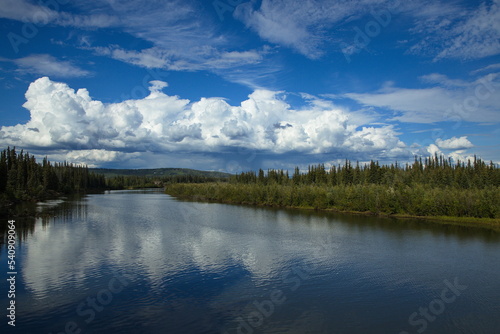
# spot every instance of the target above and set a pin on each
(454, 143)
(92, 131)
(434, 150)
(93, 157)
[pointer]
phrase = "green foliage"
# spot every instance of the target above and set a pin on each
(22, 178)
(433, 187)
(158, 173)
(136, 181)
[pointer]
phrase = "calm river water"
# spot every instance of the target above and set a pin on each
(145, 262)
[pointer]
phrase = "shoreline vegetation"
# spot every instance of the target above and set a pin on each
(465, 193)
(23, 179)
(218, 191)
(433, 188)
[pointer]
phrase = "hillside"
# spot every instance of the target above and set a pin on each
(157, 172)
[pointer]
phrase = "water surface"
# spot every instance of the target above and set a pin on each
(144, 262)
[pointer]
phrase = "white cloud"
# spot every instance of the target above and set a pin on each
(62, 119)
(449, 100)
(283, 25)
(492, 67)
(443, 29)
(453, 32)
(454, 143)
(91, 21)
(301, 25)
(93, 157)
(477, 37)
(182, 39)
(443, 80)
(416, 105)
(148, 58)
(209, 59)
(461, 155)
(455, 155)
(22, 10)
(157, 86)
(434, 150)
(44, 64)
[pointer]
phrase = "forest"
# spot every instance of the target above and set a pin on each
(137, 182)
(431, 186)
(22, 178)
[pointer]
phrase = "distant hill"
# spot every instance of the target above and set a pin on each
(158, 172)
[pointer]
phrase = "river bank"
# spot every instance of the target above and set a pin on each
(478, 209)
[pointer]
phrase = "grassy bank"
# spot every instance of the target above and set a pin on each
(472, 206)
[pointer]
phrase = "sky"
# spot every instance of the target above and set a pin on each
(237, 85)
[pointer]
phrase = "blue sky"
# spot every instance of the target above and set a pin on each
(234, 85)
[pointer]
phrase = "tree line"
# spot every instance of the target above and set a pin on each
(136, 182)
(22, 178)
(434, 171)
(432, 186)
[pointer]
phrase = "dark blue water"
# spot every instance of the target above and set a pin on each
(144, 262)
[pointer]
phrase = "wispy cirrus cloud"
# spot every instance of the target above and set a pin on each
(454, 31)
(441, 29)
(26, 11)
(44, 64)
(447, 99)
(156, 57)
(489, 68)
(301, 25)
(182, 39)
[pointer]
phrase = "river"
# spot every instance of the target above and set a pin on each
(145, 262)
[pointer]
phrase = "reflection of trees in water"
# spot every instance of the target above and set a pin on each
(70, 211)
(26, 216)
(24, 227)
(393, 225)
